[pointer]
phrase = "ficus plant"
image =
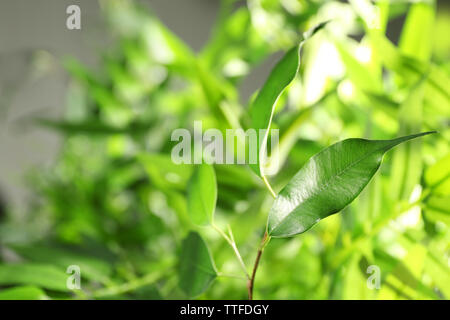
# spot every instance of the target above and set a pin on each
(325, 185)
(140, 225)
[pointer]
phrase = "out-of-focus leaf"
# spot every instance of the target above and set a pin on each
(407, 159)
(40, 275)
(196, 270)
(235, 45)
(92, 267)
(417, 32)
(202, 194)
(406, 275)
(262, 108)
(163, 172)
(437, 177)
(327, 183)
(359, 74)
(93, 127)
(23, 293)
(404, 65)
(437, 208)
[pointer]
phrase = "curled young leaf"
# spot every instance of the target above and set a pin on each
(327, 183)
(262, 108)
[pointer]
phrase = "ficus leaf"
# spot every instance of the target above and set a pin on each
(328, 182)
(196, 269)
(262, 108)
(202, 194)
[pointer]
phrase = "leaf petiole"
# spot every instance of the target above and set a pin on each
(232, 244)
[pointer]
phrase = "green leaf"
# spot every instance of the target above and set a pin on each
(327, 183)
(407, 159)
(262, 108)
(163, 172)
(437, 177)
(91, 267)
(93, 127)
(40, 275)
(410, 67)
(23, 293)
(196, 270)
(358, 73)
(417, 35)
(202, 195)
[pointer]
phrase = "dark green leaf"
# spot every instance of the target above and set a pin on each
(93, 127)
(327, 183)
(196, 270)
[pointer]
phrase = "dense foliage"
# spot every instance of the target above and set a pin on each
(117, 206)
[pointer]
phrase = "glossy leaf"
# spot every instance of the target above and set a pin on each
(202, 195)
(327, 183)
(262, 108)
(196, 270)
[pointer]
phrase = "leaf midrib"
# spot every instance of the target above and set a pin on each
(325, 185)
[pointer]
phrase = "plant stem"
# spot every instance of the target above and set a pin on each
(251, 281)
(234, 247)
(269, 187)
(265, 240)
(127, 286)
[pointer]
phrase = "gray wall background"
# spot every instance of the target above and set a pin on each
(34, 31)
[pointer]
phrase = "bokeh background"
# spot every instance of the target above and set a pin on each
(86, 116)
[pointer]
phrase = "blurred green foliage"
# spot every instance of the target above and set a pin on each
(115, 204)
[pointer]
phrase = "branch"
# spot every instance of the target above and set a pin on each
(251, 281)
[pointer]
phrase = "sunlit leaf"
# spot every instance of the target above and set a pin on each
(416, 37)
(437, 177)
(23, 293)
(407, 158)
